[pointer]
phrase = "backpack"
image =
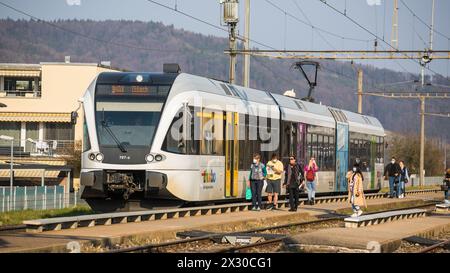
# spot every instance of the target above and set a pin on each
(310, 175)
(257, 172)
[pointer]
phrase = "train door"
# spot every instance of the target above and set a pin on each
(341, 156)
(231, 154)
(301, 143)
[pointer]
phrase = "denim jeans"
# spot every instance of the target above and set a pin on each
(355, 208)
(446, 194)
(311, 186)
(256, 186)
(391, 186)
(401, 186)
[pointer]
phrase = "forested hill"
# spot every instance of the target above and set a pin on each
(136, 45)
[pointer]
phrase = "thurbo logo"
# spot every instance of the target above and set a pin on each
(209, 176)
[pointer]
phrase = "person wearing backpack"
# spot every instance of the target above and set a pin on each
(310, 175)
(356, 190)
(293, 178)
(404, 178)
(274, 171)
(256, 181)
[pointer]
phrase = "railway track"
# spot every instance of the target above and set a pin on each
(435, 246)
(205, 242)
(40, 225)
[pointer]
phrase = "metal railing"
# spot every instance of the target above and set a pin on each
(33, 148)
(37, 198)
(21, 93)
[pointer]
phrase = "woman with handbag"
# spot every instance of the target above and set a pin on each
(256, 181)
(404, 178)
(446, 184)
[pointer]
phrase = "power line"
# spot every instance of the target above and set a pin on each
(422, 21)
(204, 22)
(309, 21)
(311, 25)
(373, 34)
(84, 35)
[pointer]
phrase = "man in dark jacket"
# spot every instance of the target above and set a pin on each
(293, 177)
(392, 171)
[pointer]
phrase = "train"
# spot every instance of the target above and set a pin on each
(176, 136)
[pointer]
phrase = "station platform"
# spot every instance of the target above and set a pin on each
(384, 237)
(162, 230)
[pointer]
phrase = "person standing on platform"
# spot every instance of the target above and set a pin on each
(446, 185)
(392, 171)
(356, 190)
(310, 175)
(274, 171)
(293, 178)
(256, 180)
(404, 178)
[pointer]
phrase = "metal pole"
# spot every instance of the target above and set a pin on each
(422, 140)
(431, 27)
(247, 44)
(360, 90)
(54, 197)
(42, 178)
(232, 38)
(25, 198)
(35, 197)
(67, 190)
(11, 168)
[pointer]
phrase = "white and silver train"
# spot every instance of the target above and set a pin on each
(183, 137)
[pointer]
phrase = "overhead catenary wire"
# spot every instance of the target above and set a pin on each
(311, 25)
(373, 34)
(309, 21)
(76, 33)
(422, 21)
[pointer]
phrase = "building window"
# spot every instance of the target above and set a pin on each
(22, 86)
(11, 129)
(59, 131)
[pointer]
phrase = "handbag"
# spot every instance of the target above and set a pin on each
(248, 194)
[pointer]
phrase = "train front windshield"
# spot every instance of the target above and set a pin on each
(127, 115)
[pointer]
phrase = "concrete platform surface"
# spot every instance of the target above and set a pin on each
(166, 229)
(387, 236)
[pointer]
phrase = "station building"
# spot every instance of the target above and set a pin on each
(37, 102)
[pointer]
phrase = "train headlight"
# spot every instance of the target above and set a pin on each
(99, 157)
(149, 158)
(91, 156)
(158, 157)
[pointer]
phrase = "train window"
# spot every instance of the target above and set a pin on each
(212, 132)
(320, 151)
(174, 141)
(86, 140)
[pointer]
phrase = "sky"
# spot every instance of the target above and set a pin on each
(274, 27)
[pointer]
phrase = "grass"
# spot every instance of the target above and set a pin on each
(16, 217)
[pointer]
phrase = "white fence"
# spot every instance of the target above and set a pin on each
(37, 198)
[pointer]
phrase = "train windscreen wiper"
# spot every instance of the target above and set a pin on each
(119, 144)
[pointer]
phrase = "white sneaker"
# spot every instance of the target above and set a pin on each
(354, 215)
(359, 213)
(446, 201)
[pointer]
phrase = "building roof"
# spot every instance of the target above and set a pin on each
(35, 117)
